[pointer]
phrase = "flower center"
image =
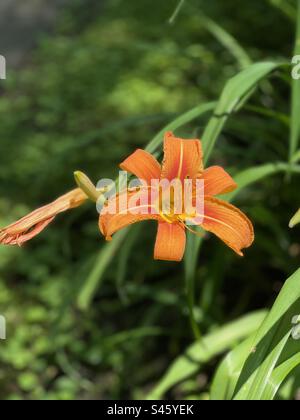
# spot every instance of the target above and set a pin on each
(171, 205)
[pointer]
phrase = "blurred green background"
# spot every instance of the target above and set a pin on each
(101, 83)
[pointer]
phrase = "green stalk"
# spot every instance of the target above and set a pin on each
(295, 97)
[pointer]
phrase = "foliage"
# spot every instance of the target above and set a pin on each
(90, 320)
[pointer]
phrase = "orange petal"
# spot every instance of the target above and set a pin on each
(31, 225)
(143, 165)
(182, 158)
(111, 223)
(217, 181)
(170, 242)
(227, 222)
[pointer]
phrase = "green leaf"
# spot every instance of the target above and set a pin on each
(202, 351)
(287, 9)
(93, 281)
(283, 369)
(180, 121)
(270, 341)
(296, 157)
(227, 40)
(252, 175)
(176, 11)
(235, 93)
(270, 113)
(228, 372)
(190, 261)
(295, 111)
(123, 260)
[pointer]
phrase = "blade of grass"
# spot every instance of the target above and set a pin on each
(295, 100)
(229, 370)
(252, 175)
(281, 372)
(135, 334)
(235, 93)
(227, 373)
(270, 113)
(176, 12)
(191, 253)
(180, 121)
(227, 40)
(287, 9)
(93, 281)
(202, 351)
(296, 157)
(123, 261)
(269, 343)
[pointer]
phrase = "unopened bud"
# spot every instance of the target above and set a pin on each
(86, 185)
(295, 219)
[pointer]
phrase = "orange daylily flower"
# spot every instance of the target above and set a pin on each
(31, 225)
(182, 160)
